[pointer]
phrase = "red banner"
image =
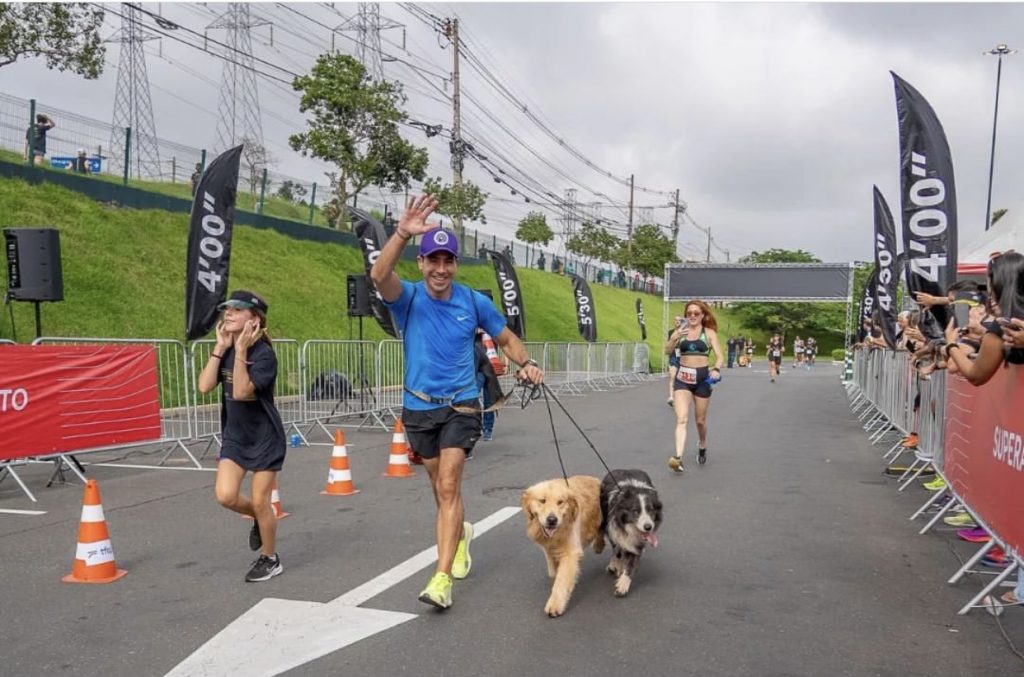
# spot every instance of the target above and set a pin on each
(984, 454)
(69, 398)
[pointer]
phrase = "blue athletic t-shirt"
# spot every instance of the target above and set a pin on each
(438, 341)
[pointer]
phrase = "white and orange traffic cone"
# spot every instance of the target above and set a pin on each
(94, 556)
(398, 461)
(339, 477)
(275, 502)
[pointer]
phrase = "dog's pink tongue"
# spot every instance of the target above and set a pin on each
(651, 538)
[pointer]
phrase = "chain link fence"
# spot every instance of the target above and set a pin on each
(171, 168)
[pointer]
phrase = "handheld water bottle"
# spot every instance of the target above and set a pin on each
(712, 378)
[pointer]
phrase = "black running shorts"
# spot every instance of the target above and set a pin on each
(432, 430)
(699, 389)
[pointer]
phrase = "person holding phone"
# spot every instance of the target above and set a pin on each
(1006, 286)
(253, 437)
(693, 342)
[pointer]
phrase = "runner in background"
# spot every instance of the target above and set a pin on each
(774, 354)
(693, 342)
(673, 360)
(798, 352)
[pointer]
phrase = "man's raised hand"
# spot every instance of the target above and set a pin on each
(413, 221)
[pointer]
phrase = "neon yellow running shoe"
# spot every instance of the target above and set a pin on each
(935, 485)
(438, 591)
(963, 520)
(463, 562)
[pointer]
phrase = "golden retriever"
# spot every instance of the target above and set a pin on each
(563, 519)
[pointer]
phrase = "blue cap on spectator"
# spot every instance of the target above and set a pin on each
(439, 240)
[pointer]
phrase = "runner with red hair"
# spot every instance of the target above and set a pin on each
(693, 343)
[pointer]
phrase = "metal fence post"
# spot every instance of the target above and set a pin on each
(174, 168)
(312, 204)
(31, 133)
(263, 191)
(127, 152)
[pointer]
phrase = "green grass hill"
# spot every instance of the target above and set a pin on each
(124, 273)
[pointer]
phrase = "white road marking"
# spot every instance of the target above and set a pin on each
(277, 635)
(12, 511)
(414, 564)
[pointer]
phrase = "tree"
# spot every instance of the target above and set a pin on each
(650, 251)
(291, 191)
(996, 215)
(790, 318)
(592, 242)
(67, 35)
(780, 256)
(534, 229)
(466, 202)
(353, 124)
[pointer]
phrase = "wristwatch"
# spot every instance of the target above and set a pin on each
(533, 362)
(950, 346)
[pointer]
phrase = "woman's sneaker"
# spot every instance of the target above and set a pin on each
(675, 463)
(264, 568)
(702, 456)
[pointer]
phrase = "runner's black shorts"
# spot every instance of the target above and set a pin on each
(777, 359)
(699, 389)
(432, 430)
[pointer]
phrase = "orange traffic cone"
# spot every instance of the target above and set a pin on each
(398, 461)
(94, 557)
(275, 502)
(339, 477)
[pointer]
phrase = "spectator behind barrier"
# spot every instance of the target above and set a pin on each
(1006, 283)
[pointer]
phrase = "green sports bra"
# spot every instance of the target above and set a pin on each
(698, 346)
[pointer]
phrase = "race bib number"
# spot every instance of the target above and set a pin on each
(776, 353)
(687, 375)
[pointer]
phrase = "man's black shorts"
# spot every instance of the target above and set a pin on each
(432, 430)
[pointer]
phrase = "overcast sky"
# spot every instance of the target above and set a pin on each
(773, 120)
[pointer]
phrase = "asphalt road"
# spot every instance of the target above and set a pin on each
(789, 553)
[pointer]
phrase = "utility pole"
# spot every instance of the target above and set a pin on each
(675, 221)
(132, 105)
(451, 31)
(709, 246)
(629, 230)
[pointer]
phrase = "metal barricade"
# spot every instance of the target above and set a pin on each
(176, 425)
(340, 382)
(597, 365)
(390, 378)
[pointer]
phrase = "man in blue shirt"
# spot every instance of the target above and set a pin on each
(438, 320)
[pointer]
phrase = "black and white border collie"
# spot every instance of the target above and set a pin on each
(631, 515)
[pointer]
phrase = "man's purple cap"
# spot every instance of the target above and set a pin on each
(439, 240)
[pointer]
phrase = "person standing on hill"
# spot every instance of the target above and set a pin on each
(243, 360)
(438, 320)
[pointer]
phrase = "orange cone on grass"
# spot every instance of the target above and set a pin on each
(339, 477)
(94, 556)
(398, 461)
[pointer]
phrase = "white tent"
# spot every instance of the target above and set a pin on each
(973, 258)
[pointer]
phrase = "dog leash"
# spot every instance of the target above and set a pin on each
(543, 387)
